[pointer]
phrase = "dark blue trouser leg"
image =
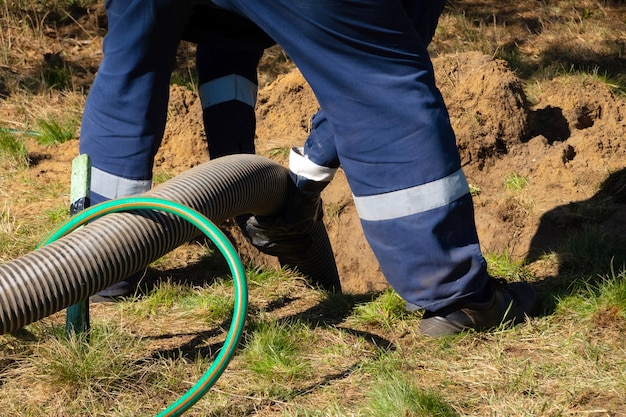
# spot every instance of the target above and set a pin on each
(373, 78)
(125, 114)
(228, 87)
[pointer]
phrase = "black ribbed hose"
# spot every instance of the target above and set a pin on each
(118, 245)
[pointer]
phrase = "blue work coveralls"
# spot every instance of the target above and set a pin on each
(384, 121)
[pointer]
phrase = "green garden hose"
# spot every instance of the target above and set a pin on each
(225, 247)
(20, 131)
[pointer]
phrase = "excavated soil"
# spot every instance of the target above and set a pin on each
(568, 141)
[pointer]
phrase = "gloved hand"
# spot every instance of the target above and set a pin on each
(286, 232)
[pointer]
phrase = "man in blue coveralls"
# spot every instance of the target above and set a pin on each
(383, 119)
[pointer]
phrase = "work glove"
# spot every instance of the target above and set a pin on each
(287, 232)
(296, 234)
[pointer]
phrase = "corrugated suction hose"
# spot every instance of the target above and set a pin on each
(118, 245)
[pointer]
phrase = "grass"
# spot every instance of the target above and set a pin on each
(601, 299)
(161, 177)
(13, 152)
(58, 215)
(576, 37)
(52, 132)
(58, 75)
(280, 154)
(590, 249)
(9, 229)
(306, 352)
(474, 190)
(333, 210)
(99, 364)
(397, 395)
(503, 265)
(515, 182)
(271, 351)
(212, 304)
(298, 360)
(387, 311)
(74, 372)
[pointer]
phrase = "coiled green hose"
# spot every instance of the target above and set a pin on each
(225, 247)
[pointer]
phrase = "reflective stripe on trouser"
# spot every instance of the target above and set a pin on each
(105, 186)
(373, 78)
(227, 88)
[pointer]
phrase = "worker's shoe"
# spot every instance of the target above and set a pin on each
(510, 303)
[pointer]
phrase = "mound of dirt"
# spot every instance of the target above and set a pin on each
(184, 142)
(486, 103)
(568, 142)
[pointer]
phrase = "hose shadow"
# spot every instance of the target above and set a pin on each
(209, 268)
(586, 241)
(327, 314)
(194, 349)
(333, 311)
(197, 346)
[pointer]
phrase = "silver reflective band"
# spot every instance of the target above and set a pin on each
(304, 167)
(414, 200)
(112, 186)
(228, 88)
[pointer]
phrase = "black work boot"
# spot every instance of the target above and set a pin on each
(510, 303)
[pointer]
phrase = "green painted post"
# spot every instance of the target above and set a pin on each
(77, 315)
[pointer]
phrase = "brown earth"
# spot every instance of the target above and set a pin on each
(567, 143)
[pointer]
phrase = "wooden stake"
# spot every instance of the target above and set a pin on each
(77, 315)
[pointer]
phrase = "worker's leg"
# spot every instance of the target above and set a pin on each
(374, 80)
(316, 162)
(228, 87)
(126, 109)
(125, 113)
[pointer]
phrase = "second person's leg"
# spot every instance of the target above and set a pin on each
(228, 87)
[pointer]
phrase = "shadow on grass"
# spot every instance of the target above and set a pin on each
(604, 57)
(587, 238)
(328, 313)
